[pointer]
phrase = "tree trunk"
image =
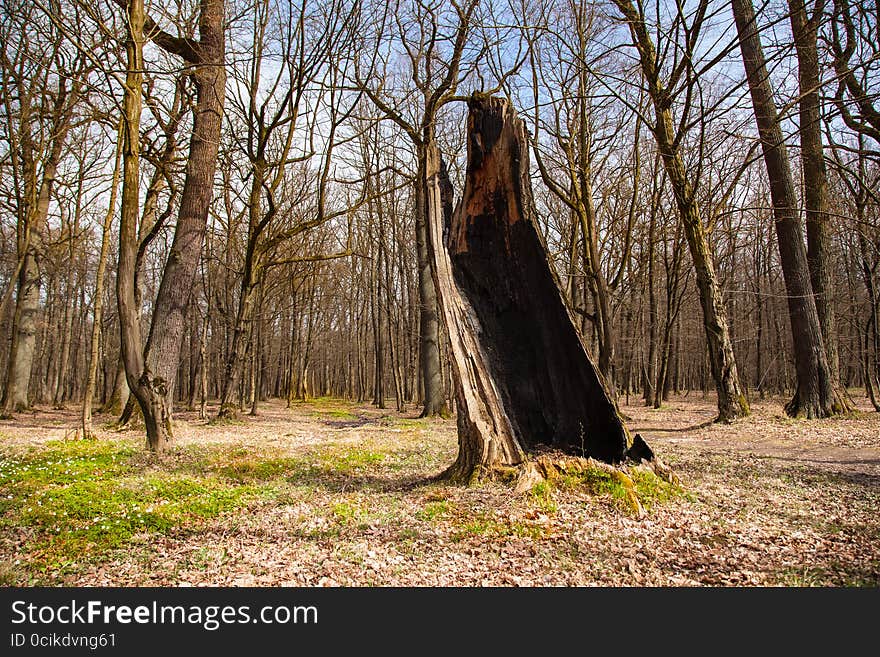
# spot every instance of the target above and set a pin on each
(24, 337)
(203, 369)
(523, 376)
(98, 312)
(816, 394)
(60, 388)
(429, 321)
(235, 361)
(151, 375)
(732, 402)
(650, 370)
(119, 395)
(805, 31)
(24, 325)
(241, 332)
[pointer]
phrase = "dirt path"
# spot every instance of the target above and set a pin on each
(842, 445)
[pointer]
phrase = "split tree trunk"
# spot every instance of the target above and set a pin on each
(151, 374)
(523, 376)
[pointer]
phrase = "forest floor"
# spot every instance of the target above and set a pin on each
(337, 493)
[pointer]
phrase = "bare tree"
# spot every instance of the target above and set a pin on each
(42, 86)
(435, 43)
(732, 402)
(151, 369)
(816, 395)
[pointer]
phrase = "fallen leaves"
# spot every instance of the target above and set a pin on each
(769, 501)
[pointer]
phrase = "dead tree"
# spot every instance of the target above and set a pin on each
(523, 376)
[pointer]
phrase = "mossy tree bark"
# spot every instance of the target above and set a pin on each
(732, 402)
(523, 376)
(151, 372)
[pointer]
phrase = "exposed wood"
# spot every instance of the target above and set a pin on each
(523, 376)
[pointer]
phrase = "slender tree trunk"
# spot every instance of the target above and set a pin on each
(816, 394)
(732, 402)
(235, 361)
(257, 353)
(651, 369)
(98, 311)
(429, 323)
(243, 326)
(203, 370)
(59, 393)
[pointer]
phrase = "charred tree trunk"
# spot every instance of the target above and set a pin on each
(523, 376)
(816, 394)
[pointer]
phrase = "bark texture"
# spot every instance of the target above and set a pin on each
(805, 29)
(816, 394)
(524, 378)
(429, 320)
(151, 373)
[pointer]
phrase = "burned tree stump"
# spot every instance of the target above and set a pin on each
(524, 379)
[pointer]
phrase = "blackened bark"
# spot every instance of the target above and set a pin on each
(524, 377)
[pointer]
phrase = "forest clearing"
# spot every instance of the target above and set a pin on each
(336, 493)
(439, 292)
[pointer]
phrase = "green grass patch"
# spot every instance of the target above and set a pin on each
(349, 461)
(252, 467)
(226, 421)
(329, 407)
(648, 487)
(433, 510)
(91, 517)
(78, 501)
(652, 490)
(408, 422)
(337, 413)
(345, 512)
(490, 527)
(542, 497)
(61, 462)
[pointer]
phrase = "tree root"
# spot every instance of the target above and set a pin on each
(551, 466)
